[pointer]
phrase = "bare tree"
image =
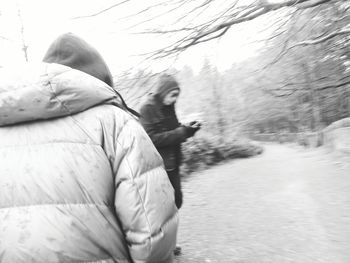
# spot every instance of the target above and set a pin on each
(302, 73)
(199, 30)
(195, 22)
(24, 45)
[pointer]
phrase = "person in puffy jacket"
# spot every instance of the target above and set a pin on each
(80, 180)
(158, 117)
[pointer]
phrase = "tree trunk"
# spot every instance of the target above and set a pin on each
(314, 104)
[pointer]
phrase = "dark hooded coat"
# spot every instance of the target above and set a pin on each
(166, 132)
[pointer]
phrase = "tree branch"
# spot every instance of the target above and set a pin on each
(157, 16)
(4, 38)
(240, 15)
(141, 12)
(102, 11)
(24, 45)
(313, 4)
(322, 39)
(337, 85)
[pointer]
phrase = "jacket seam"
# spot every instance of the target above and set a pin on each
(68, 110)
(166, 224)
(48, 143)
(96, 261)
(57, 204)
(103, 259)
(80, 125)
(55, 95)
(163, 226)
(143, 203)
(137, 188)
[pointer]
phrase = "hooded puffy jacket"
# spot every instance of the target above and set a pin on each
(80, 181)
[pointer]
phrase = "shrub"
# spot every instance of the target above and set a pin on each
(205, 150)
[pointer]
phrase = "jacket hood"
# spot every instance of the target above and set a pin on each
(72, 51)
(166, 83)
(45, 91)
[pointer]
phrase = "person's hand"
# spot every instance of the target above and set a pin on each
(195, 124)
(192, 128)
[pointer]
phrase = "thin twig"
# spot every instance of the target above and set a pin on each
(102, 11)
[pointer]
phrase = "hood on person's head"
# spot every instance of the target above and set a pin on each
(166, 83)
(72, 51)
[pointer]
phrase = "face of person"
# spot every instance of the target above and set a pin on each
(171, 97)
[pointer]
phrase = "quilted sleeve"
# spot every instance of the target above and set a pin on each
(144, 197)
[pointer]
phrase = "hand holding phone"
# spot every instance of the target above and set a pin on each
(195, 124)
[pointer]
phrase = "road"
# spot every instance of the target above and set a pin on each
(286, 205)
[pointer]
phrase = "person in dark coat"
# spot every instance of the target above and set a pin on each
(159, 119)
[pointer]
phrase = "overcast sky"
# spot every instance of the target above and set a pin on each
(112, 35)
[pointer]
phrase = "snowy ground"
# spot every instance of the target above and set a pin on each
(286, 205)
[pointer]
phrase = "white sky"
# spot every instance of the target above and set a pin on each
(44, 20)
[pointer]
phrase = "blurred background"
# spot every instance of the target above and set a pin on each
(258, 74)
(253, 68)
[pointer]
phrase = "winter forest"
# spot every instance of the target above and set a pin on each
(296, 81)
(299, 81)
